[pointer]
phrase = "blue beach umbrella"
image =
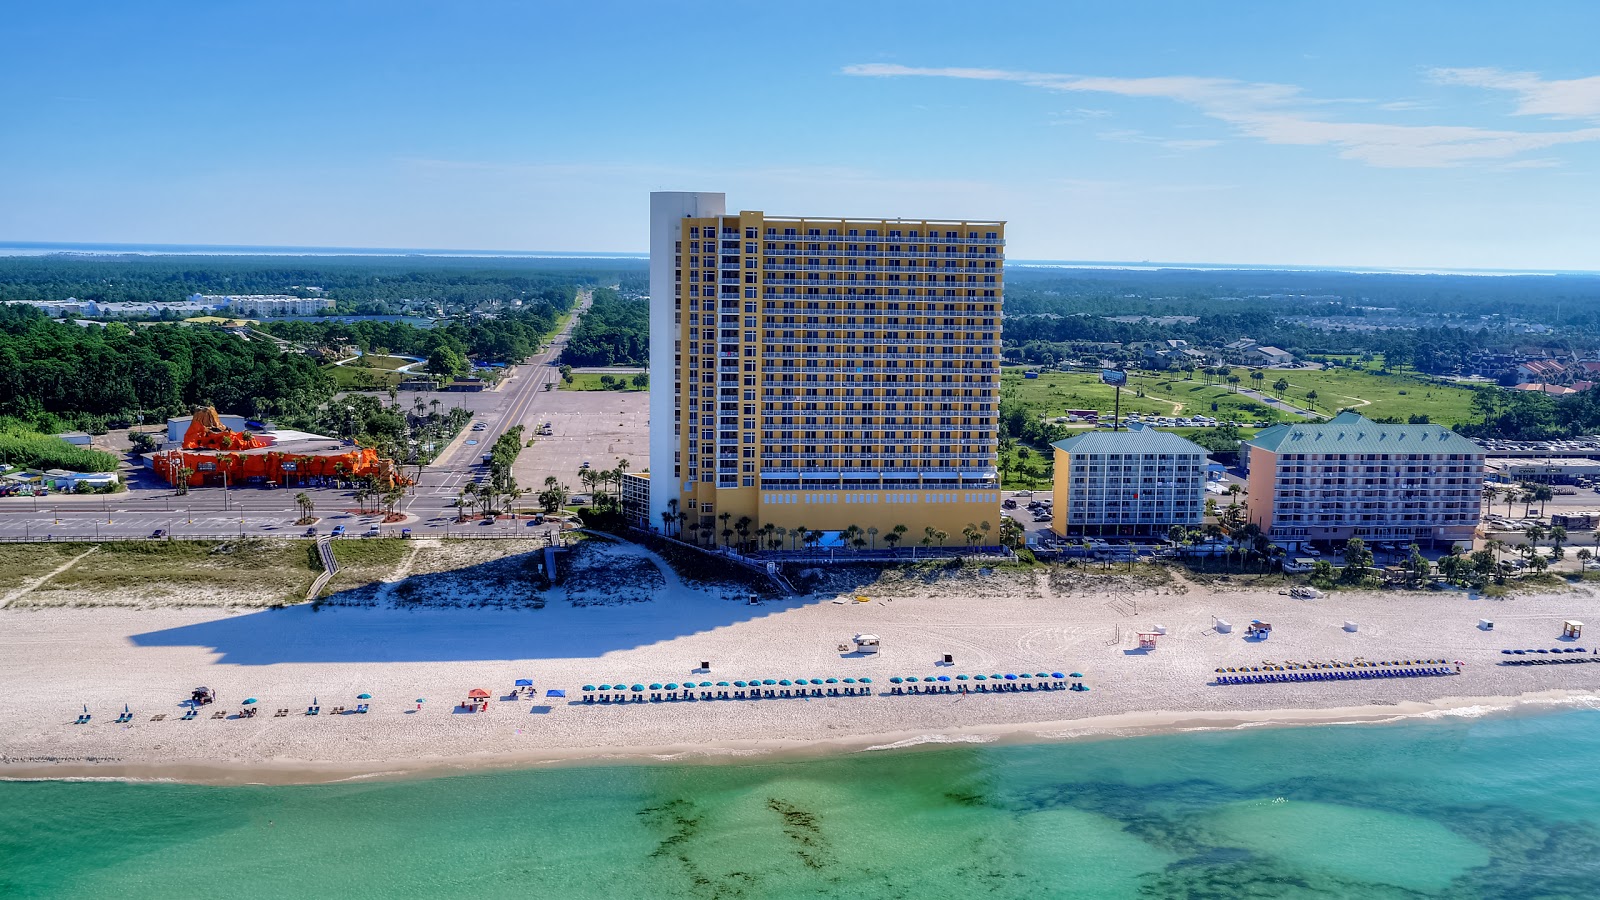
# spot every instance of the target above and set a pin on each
(783, 682)
(248, 701)
(849, 681)
(1059, 675)
(768, 682)
(997, 677)
(421, 700)
(588, 688)
(980, 678)
(738, 684)
(961, 678)
(833, 681)
(1077, 674)
(555, 692)
(524, 682)
(638, 689)
(896, 680)
(607, 687)
(725, 684)
(672, 685)
(363, 696)
(655, 687)
(1042, 675)
(944, 677)
(866, 681)
(1010, 677)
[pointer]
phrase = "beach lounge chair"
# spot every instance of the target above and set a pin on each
(158, 717)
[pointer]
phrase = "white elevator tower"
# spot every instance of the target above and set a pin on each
(667, 209)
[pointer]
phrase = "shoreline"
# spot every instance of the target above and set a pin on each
(1114, 726)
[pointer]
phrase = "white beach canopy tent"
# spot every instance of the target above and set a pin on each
(866, 643)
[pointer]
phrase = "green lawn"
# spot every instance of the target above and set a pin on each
(588, 381)
(1401, 396)
(1053, 393)
(384, 362)
(357, 378)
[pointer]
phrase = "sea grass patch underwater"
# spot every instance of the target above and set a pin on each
(1495, 807)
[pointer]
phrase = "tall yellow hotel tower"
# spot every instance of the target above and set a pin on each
(822, 373)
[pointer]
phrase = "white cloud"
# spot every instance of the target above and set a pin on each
(1277, 114)
(1129, 136)
(1573, 98)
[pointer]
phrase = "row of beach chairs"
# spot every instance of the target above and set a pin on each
(1550, 661)
(1336, 675)
(726, 690)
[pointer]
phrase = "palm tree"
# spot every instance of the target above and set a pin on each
(666, 523)
(872, 534)
(1542, 493)
(1558, 536)
(671, 515)
(799, 533)
(303, 501)
(742, 527)
(985, 528)
(894, 535)
(726, 531)
(778, 534)
(927, 537)
(1496, 547)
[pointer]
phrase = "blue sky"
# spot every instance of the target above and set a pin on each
(1419, 134)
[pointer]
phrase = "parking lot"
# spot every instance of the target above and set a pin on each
(600, 427)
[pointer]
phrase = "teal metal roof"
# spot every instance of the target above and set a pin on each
(1349, 432)
(1133, 440)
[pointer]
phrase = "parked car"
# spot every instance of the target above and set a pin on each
(338, 531)
(311, 532)
(372, 531)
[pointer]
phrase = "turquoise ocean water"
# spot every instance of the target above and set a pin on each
(1505, 806)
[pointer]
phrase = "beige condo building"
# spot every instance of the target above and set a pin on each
(822, 373)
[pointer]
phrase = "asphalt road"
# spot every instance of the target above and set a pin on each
(150, 504)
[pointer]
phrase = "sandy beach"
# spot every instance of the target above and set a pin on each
(55, 659)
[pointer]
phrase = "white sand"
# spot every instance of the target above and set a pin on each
(54, 660)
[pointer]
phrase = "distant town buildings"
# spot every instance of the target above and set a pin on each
(266, 305)
(1134, 483)
(1352, 477)
(825, 372)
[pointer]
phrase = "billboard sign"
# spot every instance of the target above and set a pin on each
(1114, 377)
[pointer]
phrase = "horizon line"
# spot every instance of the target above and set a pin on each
(119, 248)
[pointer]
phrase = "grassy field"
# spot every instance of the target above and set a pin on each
(1053, 393)
(1374, 395)
(354, 377)
(589, 381)
(209, 570)
(21, 563)
(385, 362)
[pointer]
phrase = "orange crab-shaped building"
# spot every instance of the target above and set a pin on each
(212, 453)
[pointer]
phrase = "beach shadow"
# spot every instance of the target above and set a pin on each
(1137, 651)
(523, 628)
(541, 710)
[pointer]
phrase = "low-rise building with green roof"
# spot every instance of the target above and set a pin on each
(1353, 477)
